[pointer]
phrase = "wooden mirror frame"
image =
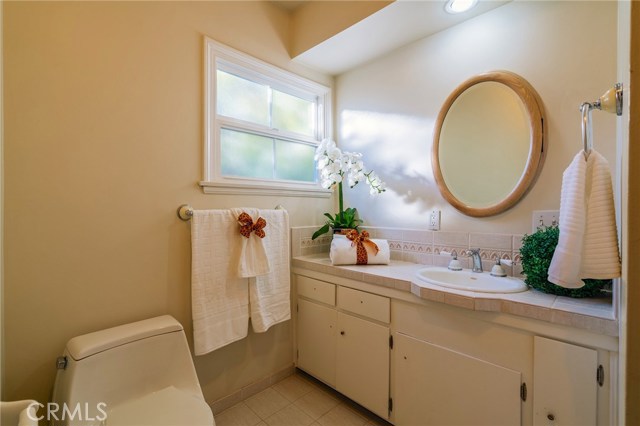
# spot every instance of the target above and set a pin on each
(537, 142)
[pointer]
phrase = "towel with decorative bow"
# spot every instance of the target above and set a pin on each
(353, 248)
(239, 272)
(253, 260)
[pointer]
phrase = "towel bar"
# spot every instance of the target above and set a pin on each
(185, 211)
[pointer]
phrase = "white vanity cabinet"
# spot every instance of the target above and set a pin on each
(316, 328)
(317, 340)
(566, 384)
(451, 369)
(439, 386)
(416, 362)
(362, 362)
(345, 344)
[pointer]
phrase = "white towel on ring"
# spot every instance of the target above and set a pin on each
(219, 298)
(588, 241)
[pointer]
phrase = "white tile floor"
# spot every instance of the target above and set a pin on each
(298, 400)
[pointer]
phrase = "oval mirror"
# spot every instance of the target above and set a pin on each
(488, 144)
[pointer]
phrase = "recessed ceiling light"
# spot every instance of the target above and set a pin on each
(459, 6)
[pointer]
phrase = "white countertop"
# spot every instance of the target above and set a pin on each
(593, 314)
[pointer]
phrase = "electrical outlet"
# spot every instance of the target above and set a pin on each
(544, 218)
(434, 220)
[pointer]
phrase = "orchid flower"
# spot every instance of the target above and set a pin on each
(336, 167)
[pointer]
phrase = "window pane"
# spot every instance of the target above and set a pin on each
(246, 155)
(293, 113)
(242, 99)
(294, 161)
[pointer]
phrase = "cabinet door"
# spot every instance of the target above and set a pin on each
(437, 386)
(362, 363)
(317, 340)
(564, 383)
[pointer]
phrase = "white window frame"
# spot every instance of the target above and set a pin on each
(220, 56)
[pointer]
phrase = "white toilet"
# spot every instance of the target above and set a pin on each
(135, 374)
(19, 413)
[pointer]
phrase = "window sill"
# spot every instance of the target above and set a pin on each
(264, 189)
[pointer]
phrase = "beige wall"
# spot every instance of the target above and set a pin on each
(387, 109)
(103, 141)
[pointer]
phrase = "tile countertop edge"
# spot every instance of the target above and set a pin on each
(530, 304)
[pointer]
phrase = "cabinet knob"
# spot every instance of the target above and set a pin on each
(551, 417)
(342, 333)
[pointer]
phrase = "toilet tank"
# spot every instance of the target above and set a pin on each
(108, 367)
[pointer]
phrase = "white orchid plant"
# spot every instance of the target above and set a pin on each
(337, 167)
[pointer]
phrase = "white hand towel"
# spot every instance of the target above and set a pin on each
(253, 259)
(269, 294)
(220, 300)
(567, 258)
(601, 256)
(343, 252)
(588, 242)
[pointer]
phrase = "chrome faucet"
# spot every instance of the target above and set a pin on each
(477, 261)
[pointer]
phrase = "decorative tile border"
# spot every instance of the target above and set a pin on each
(425, 247)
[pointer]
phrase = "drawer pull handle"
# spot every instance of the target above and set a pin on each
(342, 333)
(551, 417)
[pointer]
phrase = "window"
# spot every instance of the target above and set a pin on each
(262, 126)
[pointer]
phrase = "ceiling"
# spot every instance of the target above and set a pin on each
(396, 25)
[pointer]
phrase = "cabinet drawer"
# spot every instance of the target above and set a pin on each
(365, 304)
(316, 290)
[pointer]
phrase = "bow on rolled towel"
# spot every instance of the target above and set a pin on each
(359, 241)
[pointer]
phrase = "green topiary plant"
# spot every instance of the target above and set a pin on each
(536, 254)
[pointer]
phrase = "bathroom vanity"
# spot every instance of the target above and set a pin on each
(419, 354)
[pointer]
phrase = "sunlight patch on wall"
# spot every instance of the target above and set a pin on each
(398, 148)
(393, 141)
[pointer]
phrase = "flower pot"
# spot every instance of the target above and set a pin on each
(341, 232)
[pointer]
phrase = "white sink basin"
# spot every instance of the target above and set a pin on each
(471, 281)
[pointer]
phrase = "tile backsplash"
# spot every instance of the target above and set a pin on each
(425, 247)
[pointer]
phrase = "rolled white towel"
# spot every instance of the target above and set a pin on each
(344, 252)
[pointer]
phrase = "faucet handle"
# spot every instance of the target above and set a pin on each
(498, 270)
(455, 264)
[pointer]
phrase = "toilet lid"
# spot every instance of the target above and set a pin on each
(168, 407)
